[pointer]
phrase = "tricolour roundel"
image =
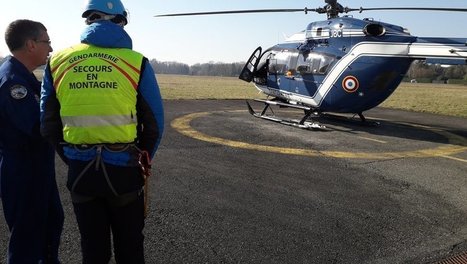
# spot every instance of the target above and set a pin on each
(350, 84)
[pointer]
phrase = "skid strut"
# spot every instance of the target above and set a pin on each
(302, 123)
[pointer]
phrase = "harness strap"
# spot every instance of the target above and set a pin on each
(81, 174)
(98, 162)
(117, 147)
(106, 176)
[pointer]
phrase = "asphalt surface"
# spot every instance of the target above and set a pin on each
(231, 188)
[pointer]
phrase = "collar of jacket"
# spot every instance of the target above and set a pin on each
(107, 35)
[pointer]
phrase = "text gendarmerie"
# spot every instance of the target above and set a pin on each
(93, 55)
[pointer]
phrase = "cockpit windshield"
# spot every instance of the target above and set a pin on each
(281, 62)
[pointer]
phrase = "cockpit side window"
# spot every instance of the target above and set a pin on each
(314, 63)
(281, 62)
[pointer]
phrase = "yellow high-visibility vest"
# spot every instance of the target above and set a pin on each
(97, 90)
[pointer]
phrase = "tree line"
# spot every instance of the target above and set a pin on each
(203, 69)
(423, 72)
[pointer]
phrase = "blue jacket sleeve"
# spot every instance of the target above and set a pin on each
(51, 124)
(150, 111)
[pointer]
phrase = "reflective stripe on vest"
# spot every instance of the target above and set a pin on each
(97, 90)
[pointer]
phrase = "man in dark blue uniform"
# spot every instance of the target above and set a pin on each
(28, 189)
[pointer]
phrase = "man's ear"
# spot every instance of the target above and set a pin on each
(30, 45)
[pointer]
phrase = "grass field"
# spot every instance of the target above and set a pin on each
(204, 87)
(441, 99)
(431, 98)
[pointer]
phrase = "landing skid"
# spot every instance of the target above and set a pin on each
(302, 123)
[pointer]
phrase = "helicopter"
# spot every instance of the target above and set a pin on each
(341, 64)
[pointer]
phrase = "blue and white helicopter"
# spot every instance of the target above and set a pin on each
(340, 65)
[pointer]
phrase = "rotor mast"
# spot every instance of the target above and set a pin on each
(333, 8)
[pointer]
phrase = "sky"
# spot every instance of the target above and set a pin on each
(222, 38)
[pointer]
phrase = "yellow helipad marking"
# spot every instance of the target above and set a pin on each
(457, 144)
(372, 139)
(454, 158)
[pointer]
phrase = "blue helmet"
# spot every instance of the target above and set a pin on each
(110, 7)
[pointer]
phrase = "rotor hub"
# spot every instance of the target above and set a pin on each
(333, 8)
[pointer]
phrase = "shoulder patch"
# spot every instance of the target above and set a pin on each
(18, 91)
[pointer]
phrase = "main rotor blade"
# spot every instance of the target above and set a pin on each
(361, 9)
(239, 12)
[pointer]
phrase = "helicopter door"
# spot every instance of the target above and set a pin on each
(313, 67)
(248, 72)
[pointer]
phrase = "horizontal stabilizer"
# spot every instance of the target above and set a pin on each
(452, 51)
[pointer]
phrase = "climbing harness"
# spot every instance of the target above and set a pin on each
(144, 162)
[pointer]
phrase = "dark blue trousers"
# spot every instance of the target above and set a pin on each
(32, 207)
(97, 220)
(108, 203)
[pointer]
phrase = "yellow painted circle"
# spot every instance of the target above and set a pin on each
(457, 144)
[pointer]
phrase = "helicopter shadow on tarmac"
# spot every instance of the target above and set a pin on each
(383, 127)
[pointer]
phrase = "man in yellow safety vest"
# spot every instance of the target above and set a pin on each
(102, 110)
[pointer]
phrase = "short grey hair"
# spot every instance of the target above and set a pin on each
(22, 30)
